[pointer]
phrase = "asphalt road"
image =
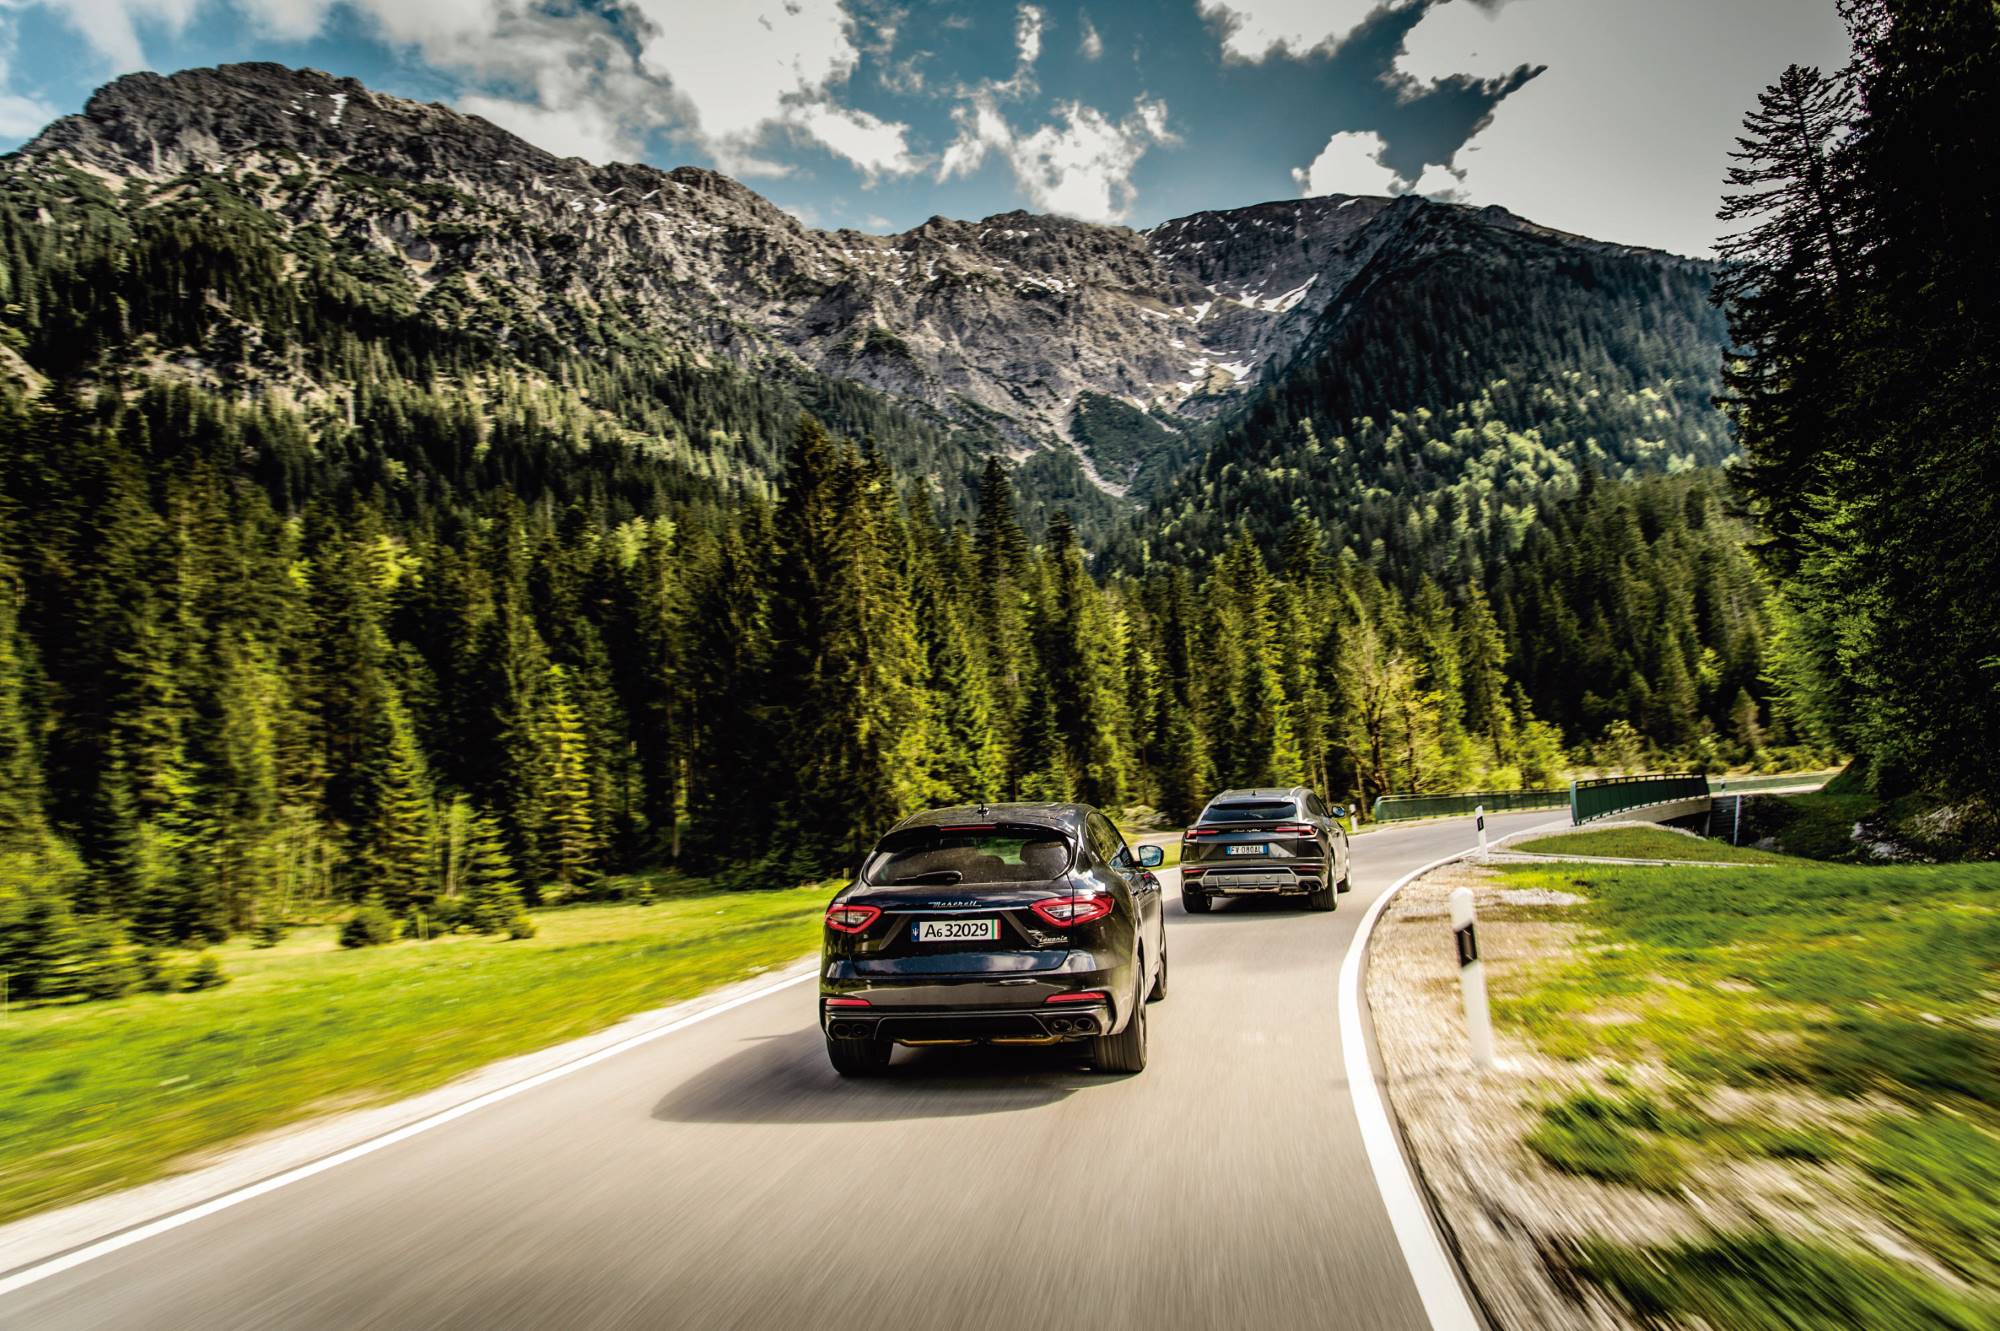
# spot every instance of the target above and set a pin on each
(724, 1177)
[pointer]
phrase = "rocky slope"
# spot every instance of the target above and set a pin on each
(1020, 324)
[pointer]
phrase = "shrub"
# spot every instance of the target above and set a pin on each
(206, 973)
(521, 926)
(269, 933)
(39, 938)
(104, 969)
(156, 971)
(371, 926)
(447, 915)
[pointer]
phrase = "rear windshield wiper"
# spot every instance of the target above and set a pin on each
(946, 877)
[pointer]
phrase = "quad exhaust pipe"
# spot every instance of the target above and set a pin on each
(1085, 1025)
(848, 1030)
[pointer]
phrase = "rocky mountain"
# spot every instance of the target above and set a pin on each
(1036, 334)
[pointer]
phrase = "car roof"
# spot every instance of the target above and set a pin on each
(1262, 793)
(1067, 817)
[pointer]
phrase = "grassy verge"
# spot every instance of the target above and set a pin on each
(1833, 1020)
(1645, 843)
(101, 1095)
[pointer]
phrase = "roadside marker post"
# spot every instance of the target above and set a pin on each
(1479, 820)
(1472, 975)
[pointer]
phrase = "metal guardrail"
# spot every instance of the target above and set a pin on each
(1750, 785)
(1392, 808)
(1604, 796)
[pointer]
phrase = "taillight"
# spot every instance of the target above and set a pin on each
(1082, 996)
(1292, 831)
(847, 1002)
(1082, 908)
(851, 919)
(1204, 831)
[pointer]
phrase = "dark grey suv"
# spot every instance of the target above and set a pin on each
(1265, 842)
(1001, 924)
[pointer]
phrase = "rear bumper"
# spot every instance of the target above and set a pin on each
(981, 1009)
(1044, 1025)
(1263, 880)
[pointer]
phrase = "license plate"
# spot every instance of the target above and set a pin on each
(1247, 850)
(956, 931)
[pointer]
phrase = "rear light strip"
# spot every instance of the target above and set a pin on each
(1083, 996)
(851, 919)
(1288, 829)
(847, 1002)
(1082, 908)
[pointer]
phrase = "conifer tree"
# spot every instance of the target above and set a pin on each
(492, 893)
(393, 833)
(569, 836)
(23, 825)
(1079, 661)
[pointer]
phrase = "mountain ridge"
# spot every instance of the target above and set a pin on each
(1014, 324)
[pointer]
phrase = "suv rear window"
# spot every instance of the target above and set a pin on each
(1250, 811)
(938, 857)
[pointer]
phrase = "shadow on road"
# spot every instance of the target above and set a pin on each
(1222, 909)
(787, 1080)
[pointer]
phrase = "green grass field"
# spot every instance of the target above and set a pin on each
(1870, 988)
(1645, 843)
(99, 1095)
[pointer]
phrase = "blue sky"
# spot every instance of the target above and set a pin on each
(1606, 117)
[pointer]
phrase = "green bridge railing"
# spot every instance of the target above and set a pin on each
(1605, 796)
(1391, 808)
(1585, 800)
(1750, 785)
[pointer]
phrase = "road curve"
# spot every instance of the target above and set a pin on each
(724, 1177)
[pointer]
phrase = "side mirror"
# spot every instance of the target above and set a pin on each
(1151, 857)
(1339, 810)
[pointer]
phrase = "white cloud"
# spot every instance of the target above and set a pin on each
(1351, 163)
(1092, 45)
(1253, 29)
(20, 114)
(585, 131)
(875, 146)
(1625, 136)
(1079, 165)
(564, 75)
(1437, 182)
(738, 69)
(1028, 34)
(112, 26)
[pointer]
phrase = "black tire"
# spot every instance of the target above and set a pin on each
(1346, 883)
(1124, 1052)
(858, 1058)
(1159, 990)
(1193, 902)
(1322, 898)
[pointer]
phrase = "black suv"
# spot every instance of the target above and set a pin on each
(1000, 924)
(1265, 842)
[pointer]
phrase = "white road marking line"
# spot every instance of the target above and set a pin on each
(1433, 1270)
(90, 1252)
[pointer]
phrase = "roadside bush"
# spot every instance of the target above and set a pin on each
(269, 933)
(39, 938)
(371, 926)
(521, 926)
(448, 915)
(157, 973)
(206, 973)
(104, 969)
